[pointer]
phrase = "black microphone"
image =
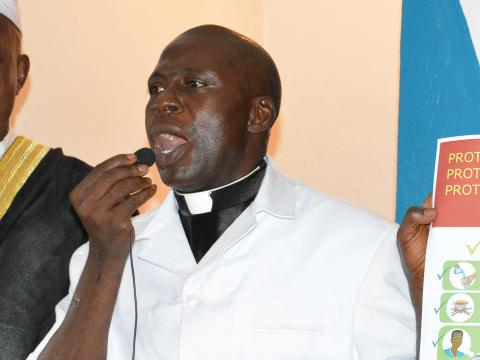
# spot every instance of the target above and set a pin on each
(145, 156)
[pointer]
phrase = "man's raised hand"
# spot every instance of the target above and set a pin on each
(105, 201)
(412, 239)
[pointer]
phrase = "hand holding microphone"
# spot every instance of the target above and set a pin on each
(106, 199)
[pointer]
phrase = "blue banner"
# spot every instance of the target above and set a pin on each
(439, 91)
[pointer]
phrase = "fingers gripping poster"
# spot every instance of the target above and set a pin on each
(451, 302)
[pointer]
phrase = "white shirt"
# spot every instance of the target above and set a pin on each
(6, 143)
(298, 276)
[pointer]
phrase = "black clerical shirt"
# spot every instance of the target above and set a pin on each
(203, 229)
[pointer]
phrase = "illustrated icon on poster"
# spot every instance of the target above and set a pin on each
(456, 344)
(463, 275)
(460, 307)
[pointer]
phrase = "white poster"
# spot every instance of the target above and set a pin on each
(451, 300)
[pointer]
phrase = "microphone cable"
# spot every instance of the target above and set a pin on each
(132, 237)
(144, 156)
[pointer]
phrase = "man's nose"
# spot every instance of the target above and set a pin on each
(168, 103)
(171, 107)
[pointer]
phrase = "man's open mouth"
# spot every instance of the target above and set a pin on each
(169, 148)
(166, 143)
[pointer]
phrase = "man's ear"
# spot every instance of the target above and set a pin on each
(23, 67)
(262, 114)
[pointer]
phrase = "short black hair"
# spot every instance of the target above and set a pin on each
(456, 332)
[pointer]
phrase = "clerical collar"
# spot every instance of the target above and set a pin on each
(219, 198)
(6, 143)
(206, 215)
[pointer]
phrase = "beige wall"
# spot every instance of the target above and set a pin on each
(338, 61)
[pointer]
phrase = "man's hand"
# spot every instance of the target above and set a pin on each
(412, 240)
(105, 201)
(412, 237)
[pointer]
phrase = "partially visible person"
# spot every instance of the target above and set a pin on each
(39, 231)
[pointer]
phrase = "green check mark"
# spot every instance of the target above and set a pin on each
(441, 305)
(472, 250)
(435, 343)
(440, 276)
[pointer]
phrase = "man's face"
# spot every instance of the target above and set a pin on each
(8, 73)
(196, 118)
(457, 339)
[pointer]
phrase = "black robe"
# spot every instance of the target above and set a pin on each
(38, 235)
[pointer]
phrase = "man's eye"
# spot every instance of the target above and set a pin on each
(156, 89)
(195, 83)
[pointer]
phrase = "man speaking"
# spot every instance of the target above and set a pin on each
(239, 262)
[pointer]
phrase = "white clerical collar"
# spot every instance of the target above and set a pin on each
(6, 143)
(201, 202)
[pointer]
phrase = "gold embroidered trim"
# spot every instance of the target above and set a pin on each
(16, 166)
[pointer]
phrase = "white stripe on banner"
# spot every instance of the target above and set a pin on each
(471, 9)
